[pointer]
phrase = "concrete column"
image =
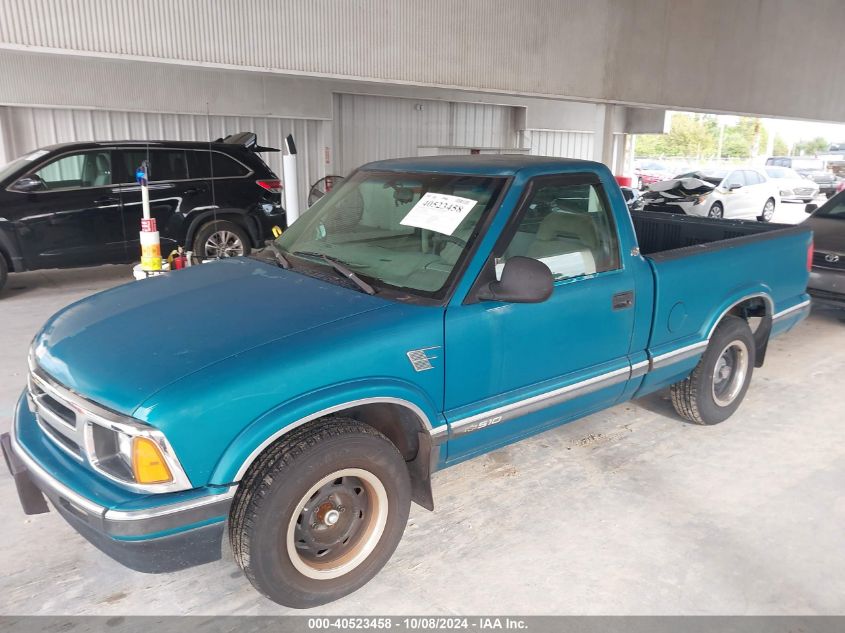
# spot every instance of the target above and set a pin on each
(5, 137)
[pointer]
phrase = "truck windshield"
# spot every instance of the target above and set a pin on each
(403, 230)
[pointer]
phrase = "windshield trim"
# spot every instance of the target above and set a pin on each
(444, 295)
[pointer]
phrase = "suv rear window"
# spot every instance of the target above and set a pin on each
(205, 164)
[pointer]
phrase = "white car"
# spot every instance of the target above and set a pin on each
(744, 193)
(793, 186)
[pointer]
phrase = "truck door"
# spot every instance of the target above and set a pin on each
(513, 369)
(73, 218)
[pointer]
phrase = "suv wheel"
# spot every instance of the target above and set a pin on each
(320, 512)
(221, 238)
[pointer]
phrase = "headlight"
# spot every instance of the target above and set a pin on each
(134, 454)
(785, 192)
(135, 459)
(701, 198)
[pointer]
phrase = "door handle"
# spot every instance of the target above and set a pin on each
(623, 300)
(195, 190)
(101, 202)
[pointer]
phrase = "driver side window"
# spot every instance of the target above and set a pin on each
(569, 228)
(77, 171)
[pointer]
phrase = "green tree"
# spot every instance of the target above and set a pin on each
(779, 147)
(812, 147)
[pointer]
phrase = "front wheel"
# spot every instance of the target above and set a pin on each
(717, 210)
(717, 385)
(768, 211)
(320, 513)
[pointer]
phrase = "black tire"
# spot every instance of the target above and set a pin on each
(266, 520)
(4, 272)
(211, 233)
(768, 212)
(716, 211)
(703, 400)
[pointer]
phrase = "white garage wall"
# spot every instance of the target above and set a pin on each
(560, 143)
(27, 128)
(371, 128)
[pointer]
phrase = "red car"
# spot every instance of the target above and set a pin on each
(649, 172)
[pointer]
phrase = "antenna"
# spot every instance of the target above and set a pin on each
(211, 170)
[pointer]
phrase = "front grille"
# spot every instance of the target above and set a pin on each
(804, 191)
(58, 418)
(822, 259)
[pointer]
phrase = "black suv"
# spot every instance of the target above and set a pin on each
(78, 204)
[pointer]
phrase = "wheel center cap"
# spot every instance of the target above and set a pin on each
(331, 517)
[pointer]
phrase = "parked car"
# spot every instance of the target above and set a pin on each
(744, 193)
(647, 172)
(813, 169)
(793, 187)
(633, 198)
(78, 204)
(827, 278)
(426, 311)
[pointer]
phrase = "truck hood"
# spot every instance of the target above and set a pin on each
(121, 346)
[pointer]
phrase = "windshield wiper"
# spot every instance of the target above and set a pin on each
(280, 256)
(341, 268)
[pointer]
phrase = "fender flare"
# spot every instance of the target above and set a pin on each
(763, 331)
(289, 415)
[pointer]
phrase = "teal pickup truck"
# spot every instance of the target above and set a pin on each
(427, 311)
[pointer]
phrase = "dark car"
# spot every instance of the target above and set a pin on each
(78, 204)
(827, 278)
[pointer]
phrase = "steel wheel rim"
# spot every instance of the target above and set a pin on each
(729, 373)
(335, 522)
(768, 210)
(224, 243)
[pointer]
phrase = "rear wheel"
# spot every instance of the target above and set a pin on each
(717, 385)
(717, 210)
(768, 211)
(320, 513)
(221, 238)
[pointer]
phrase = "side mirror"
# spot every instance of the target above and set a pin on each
(524, 280)
(810, 208)
(734, 186)
(28, 183)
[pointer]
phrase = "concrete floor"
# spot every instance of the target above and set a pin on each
(630, 511)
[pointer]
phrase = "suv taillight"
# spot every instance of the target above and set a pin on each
(810, 257)
(273, 186)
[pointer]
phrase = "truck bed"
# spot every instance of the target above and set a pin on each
(666, 236)
(703, 266)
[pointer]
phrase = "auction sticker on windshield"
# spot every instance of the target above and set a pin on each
(439, 212)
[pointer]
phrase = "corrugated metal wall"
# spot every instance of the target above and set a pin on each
(560, 143)
(371, 128)
(590, 49)
(28, 128)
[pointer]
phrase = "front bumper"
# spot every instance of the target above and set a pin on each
(150, 533)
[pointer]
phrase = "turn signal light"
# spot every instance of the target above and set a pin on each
(148, 464)
(810, 257)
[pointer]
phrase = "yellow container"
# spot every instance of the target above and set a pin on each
(150, 263)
